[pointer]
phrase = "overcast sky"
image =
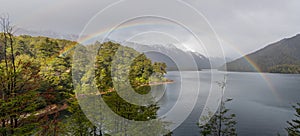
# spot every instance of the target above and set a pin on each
(241, 26)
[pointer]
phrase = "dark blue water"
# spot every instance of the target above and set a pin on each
(262, 102)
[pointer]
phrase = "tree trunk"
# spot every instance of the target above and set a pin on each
(12, 126)
(6, 62)
(100, 132)
(3, 126)
(16, 123)
(13, 62)
(95, 130)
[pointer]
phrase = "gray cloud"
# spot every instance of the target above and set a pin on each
(243, 26)
(249, 25)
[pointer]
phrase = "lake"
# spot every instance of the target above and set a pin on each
(262, 102)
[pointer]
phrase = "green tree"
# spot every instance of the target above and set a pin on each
(57, 79)
(17, 85)
(46, 47)
(294, 125)
(115, 63)
(140, 69)
(18, 108)
(160, 69)
(221, 123)
(77, 124)
(35, 75)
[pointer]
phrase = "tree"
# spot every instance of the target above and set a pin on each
(57, 79)
(19, 76)
(77, 124)
(160, 69)
(114, 65)
(35, 76)
(294, 125)
(140, 68)
(222, 123)
(18, 108)
(46, 48)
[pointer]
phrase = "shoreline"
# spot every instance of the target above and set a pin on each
(158, 83)
(150, 84)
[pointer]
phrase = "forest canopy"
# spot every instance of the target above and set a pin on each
(37, 93)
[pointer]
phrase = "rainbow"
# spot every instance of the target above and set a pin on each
(265, 77)
(258, 69)
(151, 23)
(125, 26)
(83, 39)
(67, 49)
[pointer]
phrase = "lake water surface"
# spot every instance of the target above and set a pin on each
(262, 102)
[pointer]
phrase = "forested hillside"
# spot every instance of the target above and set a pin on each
(279, 57)
(37, 94)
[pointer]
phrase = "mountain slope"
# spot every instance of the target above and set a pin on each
(171, 54)
(285, 52)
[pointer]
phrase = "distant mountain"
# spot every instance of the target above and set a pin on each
(284, 54)
(169, 53)
(217, 62)
(50, 34)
